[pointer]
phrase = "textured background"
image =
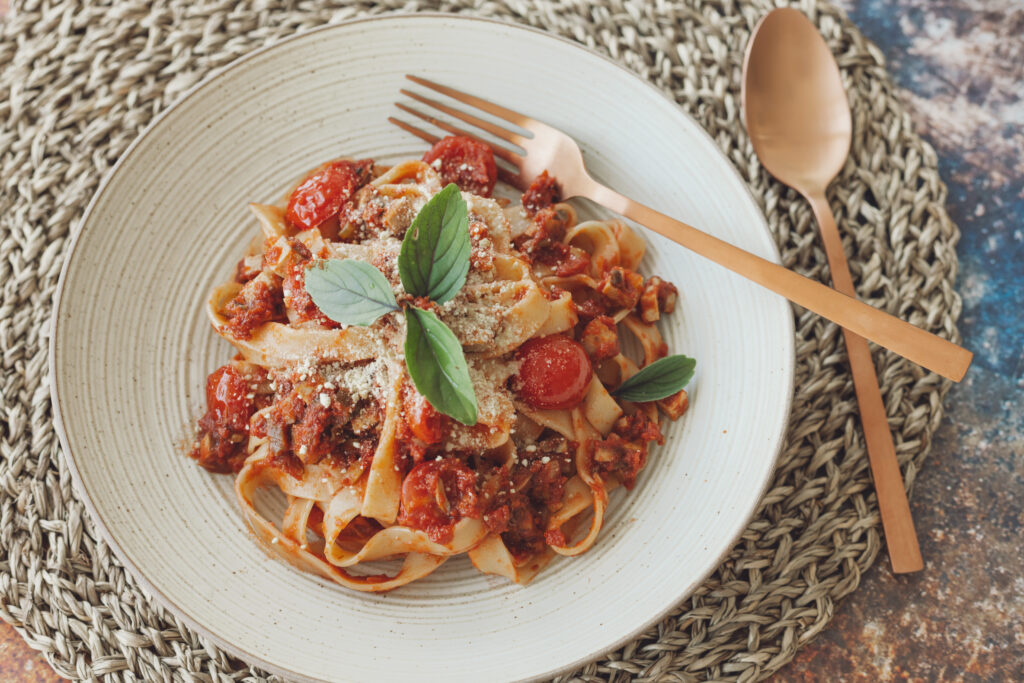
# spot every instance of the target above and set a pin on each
(961, 66)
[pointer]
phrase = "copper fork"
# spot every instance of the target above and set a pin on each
(545, 148)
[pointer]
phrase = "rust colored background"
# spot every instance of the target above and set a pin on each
(960, 65)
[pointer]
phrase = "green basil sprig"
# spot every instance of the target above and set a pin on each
(660, 379)
(437, 365)
(433, 263)
(434, 260)
(350, 292)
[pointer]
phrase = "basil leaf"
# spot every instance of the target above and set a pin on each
(437, 365)
(661, 378)
(434, 259)
(350, 292)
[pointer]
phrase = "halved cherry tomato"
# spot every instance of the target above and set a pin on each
(321, 195)
(554, 372)
(220, 444)
(228, 398)
(465, 162)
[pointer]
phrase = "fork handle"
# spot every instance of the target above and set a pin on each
(900, 537)
(924, 348)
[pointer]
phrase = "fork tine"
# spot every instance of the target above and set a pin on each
(496, 131)
(504, 175)
(510, 157)
(473, 101)
(421, 134)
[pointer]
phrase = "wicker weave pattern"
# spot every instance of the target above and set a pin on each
(81, 80)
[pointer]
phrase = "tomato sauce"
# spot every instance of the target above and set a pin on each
(465, 162)
(542, 193)
(425, 423)
(231, 399)
(260, 301)
(600, 339)
(248, 268)
(295, 295)
(518, 504)
(363, 216)
(548, 228)
(624, 451)
(619, 288)
(436, 494)
(658, 297)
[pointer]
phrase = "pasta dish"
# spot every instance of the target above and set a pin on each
(424, 370)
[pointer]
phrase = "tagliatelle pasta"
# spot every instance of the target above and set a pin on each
(328, 416)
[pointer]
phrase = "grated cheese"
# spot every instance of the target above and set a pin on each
(359, 381)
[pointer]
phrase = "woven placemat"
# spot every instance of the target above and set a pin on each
(80, 80)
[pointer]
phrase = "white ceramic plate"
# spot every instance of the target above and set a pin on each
(132, 348)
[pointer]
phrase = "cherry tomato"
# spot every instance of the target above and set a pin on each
(554, 372)
(226, 398)
(465, 162)
(321, 195)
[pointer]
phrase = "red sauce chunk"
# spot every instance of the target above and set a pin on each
(321, 195)
(542, 243)
(300, 301)
(600, 339)
(624, 452)
(248, 268)
(259, 301)
(542, 193)
(230, 402)
(621, 287)
(554, 372)
(465, 162)
(295, 295)
(435, 495)
(423, 420)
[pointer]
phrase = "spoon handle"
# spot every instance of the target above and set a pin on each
(904, 553)
(920, 346)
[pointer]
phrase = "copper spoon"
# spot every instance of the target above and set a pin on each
(796, 113)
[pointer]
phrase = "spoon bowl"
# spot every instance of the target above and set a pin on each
(794, 102)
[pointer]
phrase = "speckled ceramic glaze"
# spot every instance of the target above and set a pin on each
(132, 348)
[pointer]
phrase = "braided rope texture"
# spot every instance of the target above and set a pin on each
(80, 80)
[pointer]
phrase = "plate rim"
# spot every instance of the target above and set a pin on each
(210, 79)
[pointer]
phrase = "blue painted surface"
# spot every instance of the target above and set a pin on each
(992, 245)
(960, 67)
